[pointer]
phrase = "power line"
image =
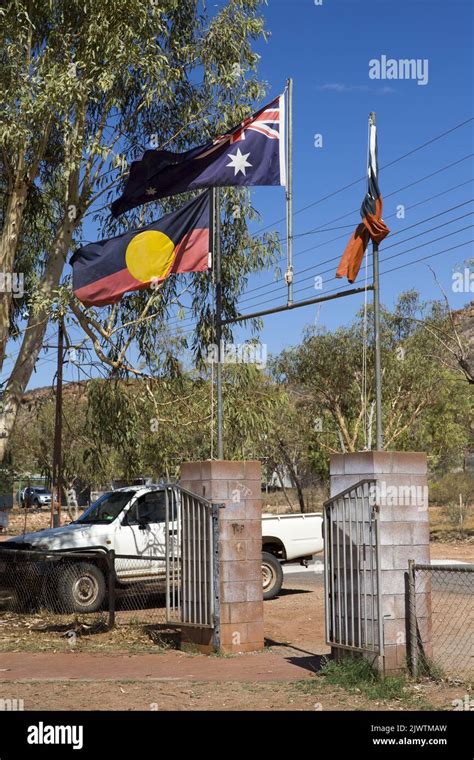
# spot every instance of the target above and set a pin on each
(361, 179)
(273, 287)
(387, 271)
(285, 308)
(351, 226)
(393, 192)
(185, 323)
(364, 178)
(318, 272)
(430, 256)
(351, 184)
(271, 300)
(409, 250)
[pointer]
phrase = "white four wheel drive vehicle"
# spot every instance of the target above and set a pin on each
(132, 521)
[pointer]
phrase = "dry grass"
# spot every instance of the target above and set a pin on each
(441, 529)
(47, 632)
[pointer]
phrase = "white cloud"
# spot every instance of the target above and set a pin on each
(343, 88)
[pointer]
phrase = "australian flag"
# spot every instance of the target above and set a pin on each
(253, 153)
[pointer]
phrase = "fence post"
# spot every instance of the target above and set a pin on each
(111, 580)
(412, 618)
(216, 602)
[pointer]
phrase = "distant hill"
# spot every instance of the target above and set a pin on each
(464, 319)
(32, 399)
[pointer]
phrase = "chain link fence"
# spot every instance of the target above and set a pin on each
(146, 592)
(440, 608)
(47, 596)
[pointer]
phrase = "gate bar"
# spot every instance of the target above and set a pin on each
(339, 526)
(412, 617)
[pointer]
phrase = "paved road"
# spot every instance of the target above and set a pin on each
(312, 575)
(449, 581)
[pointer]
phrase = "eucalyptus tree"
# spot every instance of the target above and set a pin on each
(151, 425)
(425, 404)
(88, 85)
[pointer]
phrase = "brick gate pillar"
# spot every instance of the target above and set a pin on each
(402, 498)
(237, 485)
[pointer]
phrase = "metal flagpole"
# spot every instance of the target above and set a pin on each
(216, 246)
(377, 347)
(378, 365)
(289, 189)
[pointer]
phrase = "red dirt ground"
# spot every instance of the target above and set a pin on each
(282, 677)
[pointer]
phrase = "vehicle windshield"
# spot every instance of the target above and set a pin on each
(106, 508)
(41, 490)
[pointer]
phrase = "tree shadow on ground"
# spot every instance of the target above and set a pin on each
(311, 661)
(291, 591)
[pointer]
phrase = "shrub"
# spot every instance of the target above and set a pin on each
(446, 489)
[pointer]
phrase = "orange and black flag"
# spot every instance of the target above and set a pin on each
(178, 242)
(372, 226)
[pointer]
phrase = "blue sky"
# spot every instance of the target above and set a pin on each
(326, 49)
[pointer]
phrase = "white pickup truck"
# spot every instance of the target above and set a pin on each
(285, 539)
(131, 521)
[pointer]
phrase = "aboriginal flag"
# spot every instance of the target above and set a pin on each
(372, 226)
(252, 153)
(178, 242)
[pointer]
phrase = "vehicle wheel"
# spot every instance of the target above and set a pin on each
(272, 576)
(81, 587)
(36, 504)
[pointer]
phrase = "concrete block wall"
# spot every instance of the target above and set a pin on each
(402, 496)
(238, 486)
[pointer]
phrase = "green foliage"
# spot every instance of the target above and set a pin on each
(455, 491)
(426, 406)
(36, 426)
(448, 487)
(151, 426)
(290, 417)
(87, 87)
(357, 675)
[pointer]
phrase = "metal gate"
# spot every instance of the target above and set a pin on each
(352, 570)
(190, 552)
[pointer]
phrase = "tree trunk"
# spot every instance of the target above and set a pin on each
(282, 483)
(32, 340)
(294, 477)
(299, 489)
(8, 246)
(370, 425)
